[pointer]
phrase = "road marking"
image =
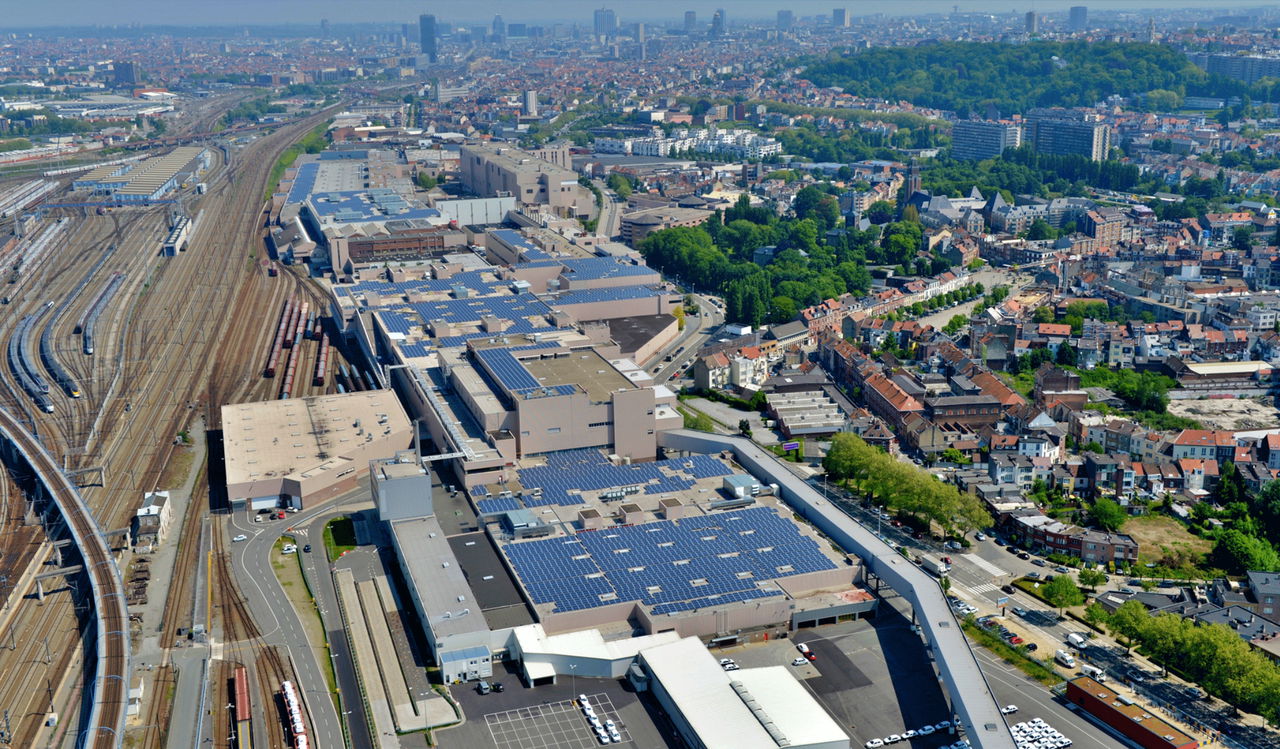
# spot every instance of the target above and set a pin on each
(983, 588)
(985, 566)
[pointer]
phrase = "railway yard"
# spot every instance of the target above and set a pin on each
(113, 352)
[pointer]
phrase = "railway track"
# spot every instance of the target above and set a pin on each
(181, 339)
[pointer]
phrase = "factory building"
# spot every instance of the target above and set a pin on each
(533, 179)
(148, 180)
(297, 451)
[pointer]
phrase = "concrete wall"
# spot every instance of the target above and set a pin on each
(633, 424)
(560, 423)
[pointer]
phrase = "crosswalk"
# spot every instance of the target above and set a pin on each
(984, 565)
(983, 588)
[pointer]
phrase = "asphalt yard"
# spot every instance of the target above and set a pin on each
(555, 724)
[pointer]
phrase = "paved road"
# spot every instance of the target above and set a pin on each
(610, 223)
(315, 566)
(697, 331)
(275, 615)
(976, 577)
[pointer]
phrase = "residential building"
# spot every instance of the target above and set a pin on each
(1065, 132)
(983, 139)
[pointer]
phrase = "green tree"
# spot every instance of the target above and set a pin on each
(619, 184)
(744, 427)
(1062, 592)
(1108, 515)
(1040, 229)
(1242, 238)
(1091, 578)
(1096, 615)
(1066, 355)
(1238, 552)
(814, 204)
(880, 212)
(1128, 621)
(425, 181)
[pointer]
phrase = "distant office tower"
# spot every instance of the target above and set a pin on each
(1064, 132)
(1033, 22)
(324, 28)
(427, 37)
(718, 23)
(840, 18)
(786, 20)
(640, 33)
(126, 73)
(1151, 30)
(531, 103)
(606, 22)
(690, 21)
(499, 28)
(1078, 18)
(983, 139)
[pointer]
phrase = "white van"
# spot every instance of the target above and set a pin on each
(1076, 640)
(1094, 672)
(1065, 658)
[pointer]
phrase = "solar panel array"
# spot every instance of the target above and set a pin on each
(584, 268)
(698, 603)
(411, 350)
(608, 294)
(398, 322)
(473, 308)
(510, 372)
(500, 504)
(694, 562)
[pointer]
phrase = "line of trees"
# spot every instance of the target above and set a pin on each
(1214, 656)
(902, 487)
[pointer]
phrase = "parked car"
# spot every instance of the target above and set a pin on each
(1023, 555)
(1020, 611)
(1007, 709)
(1039, 563)
(484, 688)
(1061, 570)
(980, 536)
(799, 662)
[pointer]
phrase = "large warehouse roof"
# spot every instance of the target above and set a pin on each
(744, 709)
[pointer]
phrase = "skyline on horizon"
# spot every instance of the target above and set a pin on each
(277, 12)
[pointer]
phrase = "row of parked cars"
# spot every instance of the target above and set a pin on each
(993, 624)
(912, 733)
(606, 731)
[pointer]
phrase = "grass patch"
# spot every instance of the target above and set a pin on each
(292, 578)
(312, 142)
(178, 468)
(339, 537)
(1168, 544)
(1015, 656)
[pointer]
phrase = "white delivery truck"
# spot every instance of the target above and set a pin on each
(1094, 672)
(934, 565)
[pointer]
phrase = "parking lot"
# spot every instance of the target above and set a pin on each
(559, 724)
(541, 717)
(876, 679)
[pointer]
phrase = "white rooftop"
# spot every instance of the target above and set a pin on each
(720, 713)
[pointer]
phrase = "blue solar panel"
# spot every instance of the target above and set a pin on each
(674, 565)
(609, 294)
(508, 371)
(502, 504)
(591, 268)
(410, 350)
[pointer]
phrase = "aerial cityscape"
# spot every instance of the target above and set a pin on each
(515, 376)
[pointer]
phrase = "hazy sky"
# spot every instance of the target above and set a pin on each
(26, 13)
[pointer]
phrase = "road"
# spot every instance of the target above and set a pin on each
(610, 223)
(697, 331)
(976, 576)
(273, 612)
